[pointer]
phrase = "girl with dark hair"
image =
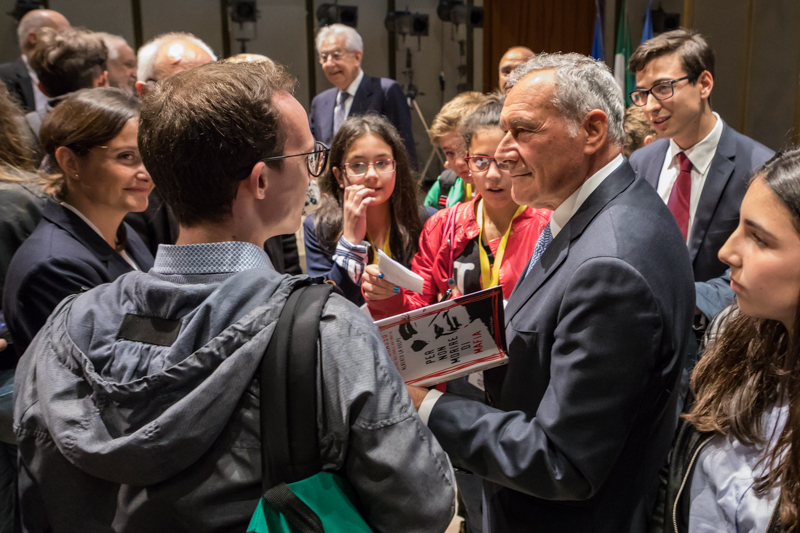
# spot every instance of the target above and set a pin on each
(474, 245)
(736, 464)
(370, 202)
(95, 175)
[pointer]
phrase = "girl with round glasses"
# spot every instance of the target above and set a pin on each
(473, 245)
(370, 202)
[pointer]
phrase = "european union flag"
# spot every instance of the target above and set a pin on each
(647, 31)
(598, 51)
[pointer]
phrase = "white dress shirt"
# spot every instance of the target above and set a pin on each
(701, 155)
(560, 217)
(128, 259)
(351, 90)
(39, 97)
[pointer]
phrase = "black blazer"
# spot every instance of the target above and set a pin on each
(374, 95)
(63, 256)
(718, 211)
(583, 415)
(15, 75)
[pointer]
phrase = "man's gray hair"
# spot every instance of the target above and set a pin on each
(113, 44)
(352, 40)
(146, 57)
(33, 21)
(581, 84)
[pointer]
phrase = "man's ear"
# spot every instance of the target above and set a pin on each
(358, 54)
(337, 173)
(648, 139)
(256, 182)
(141, 88)
(101, 80)
(68, 162)
(595, 127)
(706, 82)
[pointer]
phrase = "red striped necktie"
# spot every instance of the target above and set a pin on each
(681, 193)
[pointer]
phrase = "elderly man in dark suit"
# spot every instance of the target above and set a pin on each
(19, 77)
(700, 165)
(340, 50)
(580, 421)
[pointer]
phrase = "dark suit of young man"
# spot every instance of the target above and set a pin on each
(674, 81)
(374, 95)
(718, 209)
(581, 419)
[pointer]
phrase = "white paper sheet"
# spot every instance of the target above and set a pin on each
(394, 272)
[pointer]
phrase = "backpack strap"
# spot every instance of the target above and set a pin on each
(290, 445)
(446, 181)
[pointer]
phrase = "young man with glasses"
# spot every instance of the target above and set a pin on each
(340, 50)
(158, 369)
(699, 166)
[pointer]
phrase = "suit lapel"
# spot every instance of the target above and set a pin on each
(653, 170)
(722, 167)
(25, 83)
(557, 252)
(362, 98)
(326, 113)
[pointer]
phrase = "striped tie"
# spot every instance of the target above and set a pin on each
(541, 245)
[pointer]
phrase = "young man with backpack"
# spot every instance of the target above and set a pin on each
(137, 407)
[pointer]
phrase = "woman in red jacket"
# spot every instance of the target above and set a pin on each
(473, 245)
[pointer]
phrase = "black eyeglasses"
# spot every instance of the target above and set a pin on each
(663, 90)
(316, 159)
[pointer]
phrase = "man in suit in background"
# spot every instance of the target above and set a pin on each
(121, 63)
(19, 77)
(581, 419)
(514, 56)
(700, 165)
(340, 50)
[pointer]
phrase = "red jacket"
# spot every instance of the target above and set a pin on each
(433, 262)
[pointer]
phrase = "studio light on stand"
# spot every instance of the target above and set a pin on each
(328, 14)
(405, 23)
(245, 14)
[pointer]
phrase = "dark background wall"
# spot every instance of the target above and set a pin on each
(757, 45)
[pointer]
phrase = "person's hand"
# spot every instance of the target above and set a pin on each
(3, 344)
(417, 395)
(375, 287)
(356, 200)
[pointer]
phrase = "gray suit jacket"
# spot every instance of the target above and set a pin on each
(583, 415)
(718, 211)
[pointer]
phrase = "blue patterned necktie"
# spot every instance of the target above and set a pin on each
(339, 116)
(541, 245)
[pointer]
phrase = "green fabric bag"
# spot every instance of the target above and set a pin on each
(298, 496)
(328, 495)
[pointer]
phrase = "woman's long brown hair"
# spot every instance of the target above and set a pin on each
(13, 152)
(404, 206)
(755, 363)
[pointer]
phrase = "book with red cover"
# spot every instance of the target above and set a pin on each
(448, 339)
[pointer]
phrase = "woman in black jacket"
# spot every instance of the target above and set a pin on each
(95, 175)
(736, 462)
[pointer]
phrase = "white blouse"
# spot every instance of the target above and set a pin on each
(723, 497)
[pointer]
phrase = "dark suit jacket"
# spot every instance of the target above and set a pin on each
(718, 211)
(63, 256)
(583, 415)
(374, 95)
(15, 75)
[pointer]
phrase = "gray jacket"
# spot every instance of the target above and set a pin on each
(116, 435)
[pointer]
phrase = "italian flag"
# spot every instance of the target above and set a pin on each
(625, 78)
